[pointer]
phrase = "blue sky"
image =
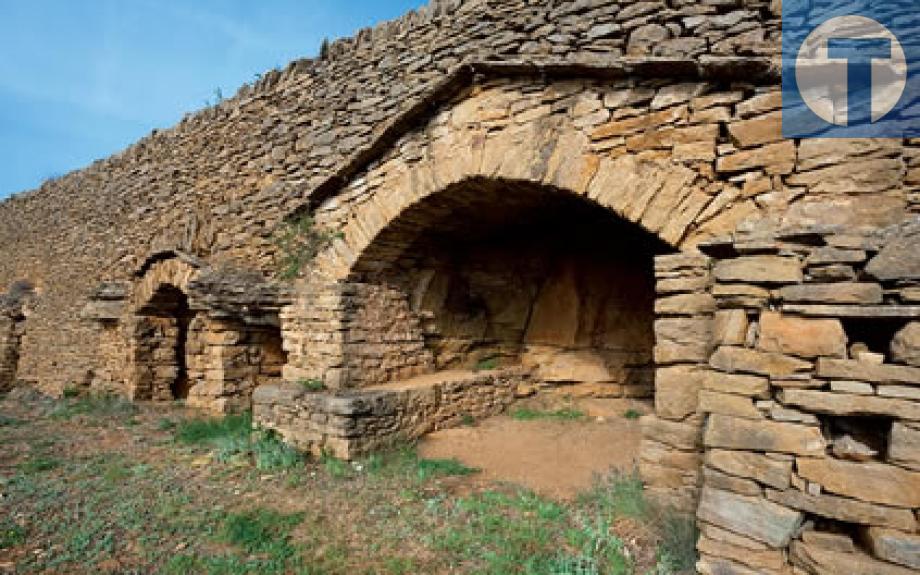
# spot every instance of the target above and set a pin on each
(82, 79)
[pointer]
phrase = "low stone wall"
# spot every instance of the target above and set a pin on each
(812, 443)
(350, 423)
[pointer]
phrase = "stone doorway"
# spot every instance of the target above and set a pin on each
(162, 347)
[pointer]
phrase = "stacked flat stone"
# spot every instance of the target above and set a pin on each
(350, 423)
(812, 445)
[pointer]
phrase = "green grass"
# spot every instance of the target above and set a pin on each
(428, 468)
(11, 534)
(6, 421)
(632, 414)
(312, 385)
(39, 465)
(528, 414)
(486, 364)
(99, 406)
(261, 531)
(234, 441)
(617, 496)
(209, 430)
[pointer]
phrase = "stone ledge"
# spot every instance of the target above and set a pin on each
(857, 311)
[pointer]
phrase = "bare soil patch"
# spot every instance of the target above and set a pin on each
(555, 457)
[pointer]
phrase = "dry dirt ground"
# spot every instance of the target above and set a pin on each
(98, 485)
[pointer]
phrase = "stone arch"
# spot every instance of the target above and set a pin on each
(162, 328)
(668, 197)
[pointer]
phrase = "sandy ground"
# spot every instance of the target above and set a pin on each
(556, 458)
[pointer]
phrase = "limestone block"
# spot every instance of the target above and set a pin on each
(718, 480)
(759, 559)
(754, 517)
(899, 258)
(738, 359)
(849, 404)
(776, 158)
(895, 546)
(727, 404)
(828, 540)
(729, 327)
(839, 293)
(763, 435)
(681, 435)
(677, 390)
(737, 383)
(905, 346)
(801, 336)
(685, 304)
(772, 472)
(904, 445)
(820, 561)
(756, 131)
(759, 269)
(847, 369)
(872, 482)
(682, 339)
(845, 509)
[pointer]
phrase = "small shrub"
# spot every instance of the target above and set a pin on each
(270, 453)
(312, 384)
(632, 414)
(197, 431)
(6, 421)
(261, 531)
(324, 49)
(298, 242)
(467, 420)
(166, 424)
(337, 468)
(70, 392)
(618, 495)
(486, 364)
(677, 549)
(11, 534)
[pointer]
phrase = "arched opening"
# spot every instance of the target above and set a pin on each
(500, 273)
(162, 346)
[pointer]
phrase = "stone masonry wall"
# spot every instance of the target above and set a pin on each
(671, 451)
(812, 403)
(350, 423)
(219, 182)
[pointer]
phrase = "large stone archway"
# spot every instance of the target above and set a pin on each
(648, 169)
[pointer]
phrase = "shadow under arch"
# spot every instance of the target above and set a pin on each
(496, 270)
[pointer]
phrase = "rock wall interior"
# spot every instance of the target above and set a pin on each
(508, 274)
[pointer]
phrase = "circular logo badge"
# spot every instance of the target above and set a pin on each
(823, 81)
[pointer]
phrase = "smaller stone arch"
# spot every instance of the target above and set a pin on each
(205, 334)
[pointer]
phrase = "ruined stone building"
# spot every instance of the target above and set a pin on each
(590, 192)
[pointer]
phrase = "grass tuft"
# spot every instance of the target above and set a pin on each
(11, 534)
(566, 414)
(100, 406)
(632, 414)
(199, 431)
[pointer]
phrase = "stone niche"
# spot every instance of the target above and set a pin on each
(501, 274)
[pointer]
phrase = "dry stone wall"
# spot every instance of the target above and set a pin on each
(811, 403)
(218, 183)
(350, 423)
